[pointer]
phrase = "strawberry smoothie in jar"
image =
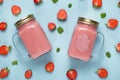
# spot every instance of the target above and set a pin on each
(83, 39)
(32, 36)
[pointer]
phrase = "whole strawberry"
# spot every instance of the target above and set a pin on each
(4, 72)
(4, 50)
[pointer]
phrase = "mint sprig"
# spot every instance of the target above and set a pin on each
(108, 54)
(54, 1)
(103, 15)
(15, 62)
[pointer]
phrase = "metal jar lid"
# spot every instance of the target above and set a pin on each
(88, 21)
(24, 20)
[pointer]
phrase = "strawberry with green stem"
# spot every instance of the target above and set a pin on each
(4, 50)
(4, 72)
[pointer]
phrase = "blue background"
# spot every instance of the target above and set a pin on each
(45, 13)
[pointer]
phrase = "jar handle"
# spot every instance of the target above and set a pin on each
(103, 37)
(99, 44)
(22, 51)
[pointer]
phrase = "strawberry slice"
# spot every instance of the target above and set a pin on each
(71, 74)
(112, 23)
(28, 74)
(51, 26)
(4, 72)
(15, 9)
(37, 1)
(49, 67)
(1, 1)
(97, 3)
(5, 49)
(3, 26)
(62, 14)
(102, 73)
(118, 47)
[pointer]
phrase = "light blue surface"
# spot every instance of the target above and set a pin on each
(45, 13)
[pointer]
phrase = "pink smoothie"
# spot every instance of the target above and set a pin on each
(82, 42)
(34, 39)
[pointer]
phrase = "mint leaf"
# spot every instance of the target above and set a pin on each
(54, 1)
(15, 62)
(70, 5)
(58, 50)
(108, 54)
(103, 15)
(60, 30)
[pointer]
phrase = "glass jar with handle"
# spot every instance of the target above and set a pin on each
(32, 36)
(84, 38)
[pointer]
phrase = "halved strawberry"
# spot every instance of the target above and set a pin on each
(3, 26)
(28, 74)
(118, 47)
(97, 3)
(62, 14)
(51, 26)
(102, 73)
(71, 74)
(37, 1)
(15, 9)
(49, 67)
(4, 50)
(4, 72)
(112, 23)
(1, 1)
